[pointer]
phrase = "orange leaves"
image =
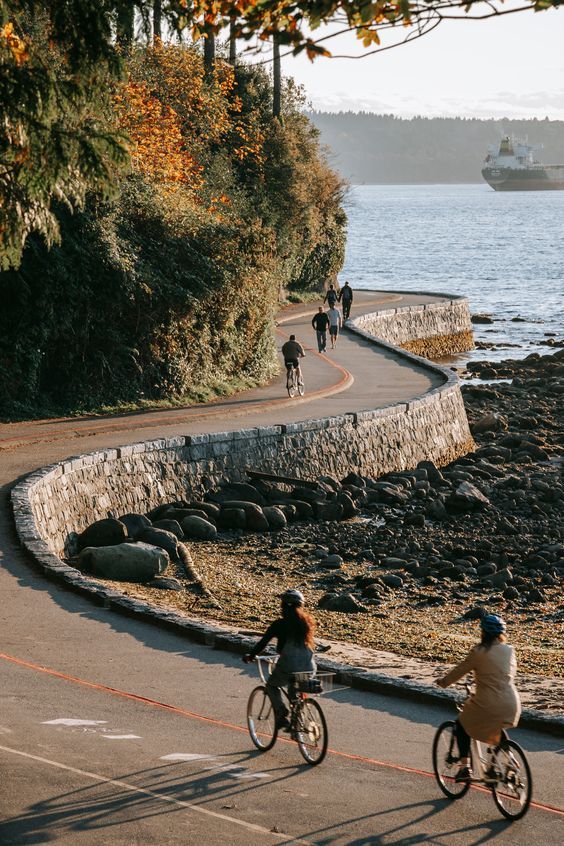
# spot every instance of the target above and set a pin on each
(158, 150)
(16, 45)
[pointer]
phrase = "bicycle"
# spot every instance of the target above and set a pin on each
(293, 386)
(308, 726)
(504, 770)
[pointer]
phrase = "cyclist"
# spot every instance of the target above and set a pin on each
(495, 704)
(292, 352)
(294, 631)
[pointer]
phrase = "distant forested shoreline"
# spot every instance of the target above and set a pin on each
(384, 149)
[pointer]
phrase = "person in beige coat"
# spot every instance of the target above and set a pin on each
(495, 704)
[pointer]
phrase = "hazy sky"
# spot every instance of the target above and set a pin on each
(509, 67)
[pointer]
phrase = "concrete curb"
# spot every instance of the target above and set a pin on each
(217, 637)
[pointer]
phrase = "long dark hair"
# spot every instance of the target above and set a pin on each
(488, 638)
(301, 625)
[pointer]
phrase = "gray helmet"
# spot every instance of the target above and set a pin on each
(292, 597)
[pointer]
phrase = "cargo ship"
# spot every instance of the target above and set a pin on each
(512, 166)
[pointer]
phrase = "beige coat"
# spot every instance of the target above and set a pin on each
(495, 703)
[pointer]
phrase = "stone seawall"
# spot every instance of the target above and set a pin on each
(65, 498)
(432, 330)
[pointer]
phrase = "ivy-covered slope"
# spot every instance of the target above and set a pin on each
(168, 292)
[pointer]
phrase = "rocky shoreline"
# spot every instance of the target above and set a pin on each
(430, 550)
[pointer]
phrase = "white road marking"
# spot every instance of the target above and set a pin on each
(67, 721)
(122, 737)
(282, 838)
(187, 756)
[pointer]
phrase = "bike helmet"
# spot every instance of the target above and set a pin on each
(292, 597)
(492, 624)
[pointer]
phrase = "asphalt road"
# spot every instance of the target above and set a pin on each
(114, 731)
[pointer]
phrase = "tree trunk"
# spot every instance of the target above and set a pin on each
(157, 19)
(125, 26)
(276, 79)
(209, 56)
(232, 44)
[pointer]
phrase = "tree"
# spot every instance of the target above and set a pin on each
(157, 19)
(276, 77)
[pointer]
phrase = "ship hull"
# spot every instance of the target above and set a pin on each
(548, 178)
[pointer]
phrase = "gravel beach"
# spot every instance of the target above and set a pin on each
(406, 579)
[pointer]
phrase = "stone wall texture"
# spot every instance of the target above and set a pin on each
(432, 330)
(64, 498)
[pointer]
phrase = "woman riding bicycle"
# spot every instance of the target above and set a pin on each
(495, 704)
(294, 631)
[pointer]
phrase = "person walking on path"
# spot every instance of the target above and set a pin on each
(294, 631)
(335, 323)
(331, 296)
(320, 323)
(346, 298)
(495, 704)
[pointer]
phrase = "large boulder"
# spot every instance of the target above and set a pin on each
(328, 511)
(233, 518)
(163, 539)
(343, 602)
(275, 516)
(125, 562)
(197, 528)
(209, 508)
(255, 519)
(170, 526)
(236, 491)
(135, 524)
(159, 512)
(467, 497)
(108, 532)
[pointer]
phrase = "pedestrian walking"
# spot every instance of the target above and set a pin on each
(335, 323)
(331, 296)
(346, 298)
(320, 323)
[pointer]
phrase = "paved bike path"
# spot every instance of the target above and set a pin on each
(111, 780)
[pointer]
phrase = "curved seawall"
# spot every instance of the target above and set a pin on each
(55, 501)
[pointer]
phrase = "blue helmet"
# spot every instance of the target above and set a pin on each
(492, 624)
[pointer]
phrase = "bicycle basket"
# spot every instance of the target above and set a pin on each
(314, 684)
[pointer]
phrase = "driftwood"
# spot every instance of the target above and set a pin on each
(282, 480)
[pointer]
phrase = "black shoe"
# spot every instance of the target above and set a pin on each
(283, 723)
(464, 774)
(491, 774)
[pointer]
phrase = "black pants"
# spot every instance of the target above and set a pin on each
(462, 740)
(346, 308)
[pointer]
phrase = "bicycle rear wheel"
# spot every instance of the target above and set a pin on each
(512, 792)
(261, 719)
(311, 731)
(301, 388)
(291, 383)
(446, 759)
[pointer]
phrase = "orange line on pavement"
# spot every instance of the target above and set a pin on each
(209, 410)
(144, 700)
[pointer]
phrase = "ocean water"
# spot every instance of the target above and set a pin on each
(504, 251)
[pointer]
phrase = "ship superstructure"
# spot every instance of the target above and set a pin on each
(512, 166)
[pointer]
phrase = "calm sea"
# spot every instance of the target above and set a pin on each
(504, 251)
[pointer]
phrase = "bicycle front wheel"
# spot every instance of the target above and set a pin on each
(311, 731)
(446, 758)
(512, 792)
(261, 719)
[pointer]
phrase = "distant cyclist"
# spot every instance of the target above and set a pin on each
(331, 296)
(346, 298)
(292, 352)
(294, 631)
(495, 704)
